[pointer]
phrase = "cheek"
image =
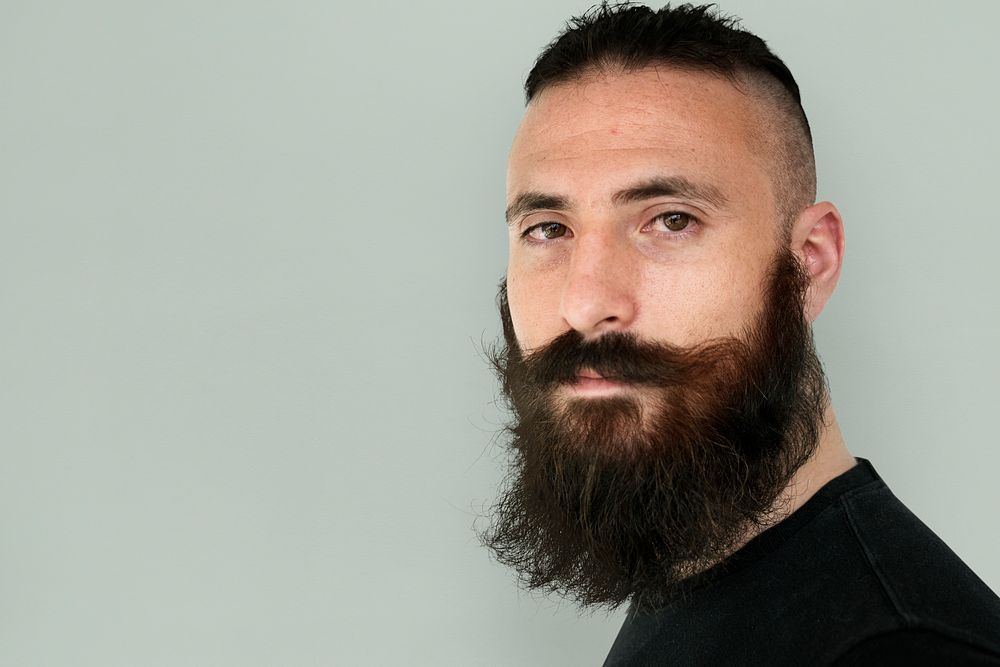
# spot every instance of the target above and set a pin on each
(534, 306)
(727, 291)
(698, 303)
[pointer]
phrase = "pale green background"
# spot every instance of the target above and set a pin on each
(249, 254)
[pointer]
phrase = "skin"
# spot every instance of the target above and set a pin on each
(678, 268)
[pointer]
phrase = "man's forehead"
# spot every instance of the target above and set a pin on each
(626, 107)
(687, 122)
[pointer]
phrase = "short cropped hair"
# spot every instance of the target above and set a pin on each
(621, 38)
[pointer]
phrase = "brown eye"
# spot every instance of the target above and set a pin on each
(675, 221)
(548, 230)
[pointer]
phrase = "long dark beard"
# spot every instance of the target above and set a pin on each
(621, 497)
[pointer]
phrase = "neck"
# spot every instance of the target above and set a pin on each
(830, 460)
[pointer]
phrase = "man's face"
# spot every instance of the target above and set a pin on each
(608, 263)
(656, 354)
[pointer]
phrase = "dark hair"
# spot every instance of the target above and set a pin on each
(625, 37)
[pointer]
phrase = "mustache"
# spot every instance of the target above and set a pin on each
(623, 357)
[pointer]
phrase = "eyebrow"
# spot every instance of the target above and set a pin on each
(527, 202)
(664, 186)
(671, 186)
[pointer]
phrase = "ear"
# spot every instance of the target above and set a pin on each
(818, 242)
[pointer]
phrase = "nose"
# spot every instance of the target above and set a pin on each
(599, 293)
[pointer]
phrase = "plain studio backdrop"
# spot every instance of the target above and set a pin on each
(249, 257)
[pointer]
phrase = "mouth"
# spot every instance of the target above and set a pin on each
(591, 383)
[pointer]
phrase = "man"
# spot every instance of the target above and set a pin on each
(673, 441)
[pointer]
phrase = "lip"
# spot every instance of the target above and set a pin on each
(590, 383)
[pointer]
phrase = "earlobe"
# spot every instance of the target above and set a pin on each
(818, 241)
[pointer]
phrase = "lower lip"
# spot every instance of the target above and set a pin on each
(597, 386)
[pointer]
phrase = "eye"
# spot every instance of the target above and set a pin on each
(544, 231)
(675, 221)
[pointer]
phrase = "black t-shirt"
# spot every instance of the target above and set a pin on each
(851, 578)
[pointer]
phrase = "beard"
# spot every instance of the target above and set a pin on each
(626, 496)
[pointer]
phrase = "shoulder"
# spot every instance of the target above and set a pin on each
(925, 584)
(935, 609)
(916, 648)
